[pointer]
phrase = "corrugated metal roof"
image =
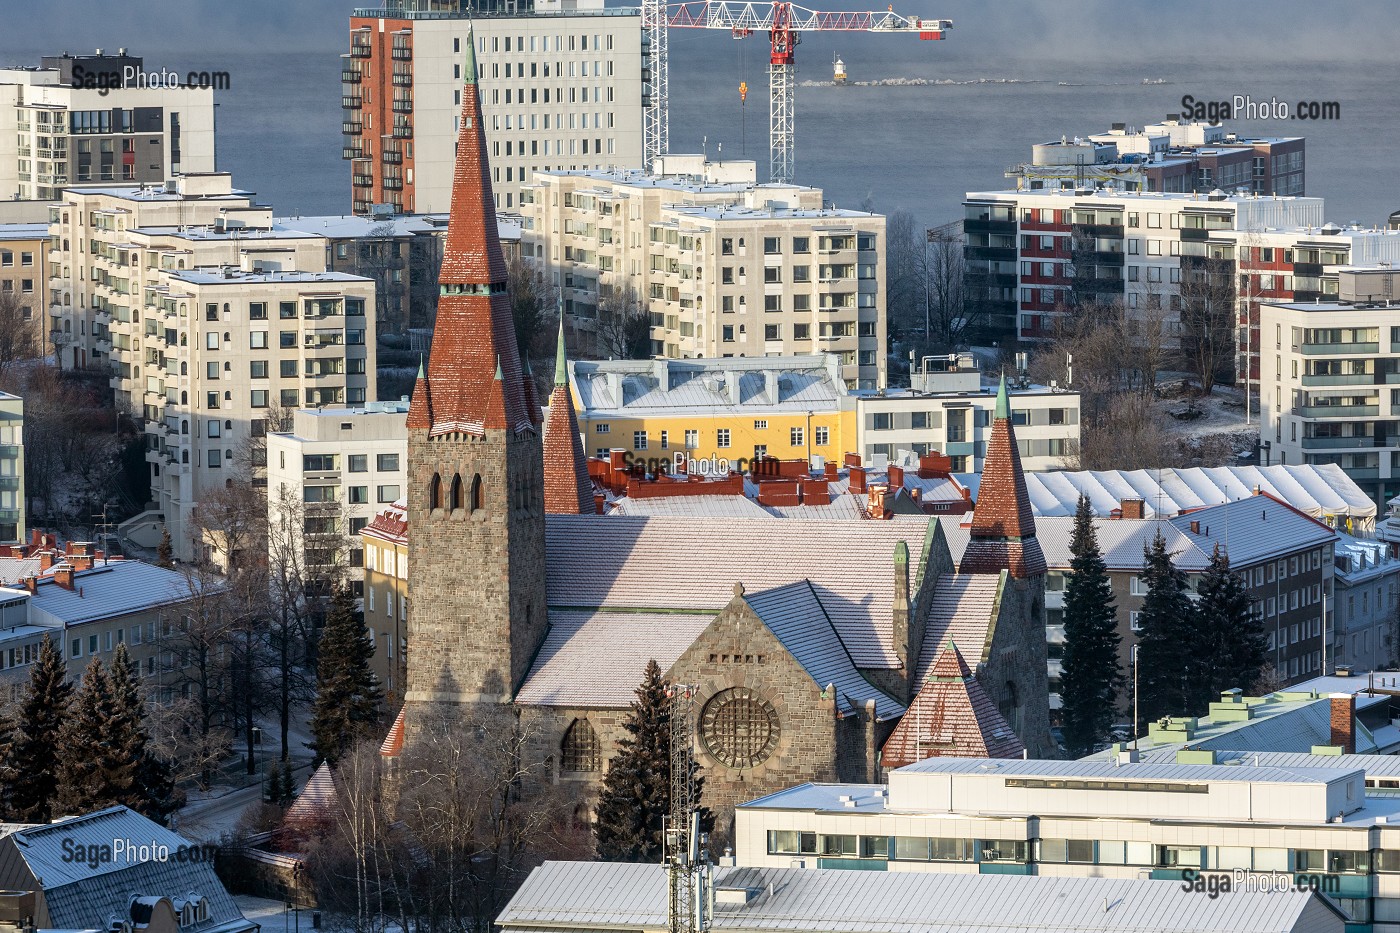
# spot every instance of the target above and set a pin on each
(114, 589)
(596, 659)
(796, 616)
(593, 895)
(674, 563)
(1142, 771)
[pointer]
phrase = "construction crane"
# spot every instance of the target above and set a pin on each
(784, 23)
(687, 862)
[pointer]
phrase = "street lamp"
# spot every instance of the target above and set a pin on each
(1136, 720)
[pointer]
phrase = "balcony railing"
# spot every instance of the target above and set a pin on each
(351, 102)
(1328, 348)
(351, 77)
(361, 51)
(402, 54)
(392, 157)
(403, 131)
(403, 79)
(1337, 411)
(1348, 379)
(1342, 443)
(352, 127)
(403, 105)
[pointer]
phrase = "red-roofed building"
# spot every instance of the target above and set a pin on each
(567, 488)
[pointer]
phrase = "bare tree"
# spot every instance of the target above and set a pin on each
(380, 257)
(1207, 314)
(424, 268)
(533, 303)
(904, 276)
(624, 325)
(944, 274)
(18, 337)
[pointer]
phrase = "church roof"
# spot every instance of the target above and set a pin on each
(960, 611)
(951, 716)
(596, 659)
(392, 746)
(664, 563)
(1003, 526)
(474, 380)
(567, 488)
(316, 802)
(796, 615)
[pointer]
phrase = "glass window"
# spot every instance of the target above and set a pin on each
(388, 462)
(879, 847)
(950, 850)
(838, 845)
(388, 493)
(910, 848)
(359, 463)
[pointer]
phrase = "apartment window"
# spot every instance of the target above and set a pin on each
(387, 462)
(358, 495)
(601, 428)
(772, 332)
(639, 440)
(727, 333)
(881, 421)
(665, 440)
(288, 339)
(388, 493)
(288, 398)
(359, 463)
(257, 369)
(821, 435)
(288, 369)
(722, 437)
(692, 439)
(796, 437)
(258, 398)
(287, 309)
(772, 246)
(772, 302)
(215, 459)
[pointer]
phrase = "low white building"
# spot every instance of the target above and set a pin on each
(330, 474)
(1191, 818)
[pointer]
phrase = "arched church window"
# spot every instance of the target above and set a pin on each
(476, 492)
(435, 492)
(456, 495)
(739, 728)
(580, 751)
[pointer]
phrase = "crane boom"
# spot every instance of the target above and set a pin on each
(784, 22)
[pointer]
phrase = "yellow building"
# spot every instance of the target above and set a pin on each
(385, 541)
(725, 409)
(24, 273)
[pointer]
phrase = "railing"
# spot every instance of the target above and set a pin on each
(1350, 379)
(1342, 443)
(351, 77)
(1325, 348)
(361, 51)
(352, 127)
(1337, 411)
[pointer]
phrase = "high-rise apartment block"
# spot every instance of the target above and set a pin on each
(725, 266)
(1175, 155)
(209, 316)
(88, 118)
(561, 88)
(1031, 255)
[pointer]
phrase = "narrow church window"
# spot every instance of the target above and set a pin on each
(579, 751)
(435, 492)
(476, 492)
(456, 494)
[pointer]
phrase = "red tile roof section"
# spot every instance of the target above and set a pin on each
(474, 380)
(951, 717)
(1003, 526)
(392, 746)
(567, 488)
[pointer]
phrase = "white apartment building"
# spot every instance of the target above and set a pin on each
(948, 410)
(12, 501)
(1330, 389)
(1029, 252)
(561, 88)
(53, 134)
(198, 302)
(1301, 815)
(725, 266)
(337, 468)
(1367, 580)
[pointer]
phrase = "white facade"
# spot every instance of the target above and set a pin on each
(53, 135)
(1364, 624)
(1098, 819)
(561, 88)
(725, 266)
(339, 466)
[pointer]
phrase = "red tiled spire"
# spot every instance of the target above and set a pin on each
(1003, 526)
(951, 717)
(567, 488)
(474, 379)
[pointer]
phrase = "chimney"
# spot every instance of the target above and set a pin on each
(1133, 508)
(830, 470)
(600, 501)
(45, 560)
(34, 537)
(1195, 527)
(63, 576)
(32, 585)
(896, 477)
(1344, 722)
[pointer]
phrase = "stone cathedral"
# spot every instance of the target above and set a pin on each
(815, 645)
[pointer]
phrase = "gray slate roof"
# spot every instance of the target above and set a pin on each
(794, 614)
(114, 589)
(80, 896)
(598, 895)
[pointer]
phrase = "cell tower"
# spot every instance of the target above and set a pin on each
(687, 861)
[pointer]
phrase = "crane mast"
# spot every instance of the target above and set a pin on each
(784, 22)
(687, 861)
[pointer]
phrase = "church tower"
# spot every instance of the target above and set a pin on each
(475, 471)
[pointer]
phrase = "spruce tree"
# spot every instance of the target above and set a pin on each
(153, 793)
(1235, 641)
(347, 692)
(97, 769)
(1168, 639)
(636, 792)
(1090, 677)
(165, 551)
(36, 748)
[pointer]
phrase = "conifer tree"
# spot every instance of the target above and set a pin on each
(36, 751)
(153, 793)
(347, 692)
(165, 551)
(1090, 677)
(636, 793)
(95, 769)
(1233, 633)
(1168, 640)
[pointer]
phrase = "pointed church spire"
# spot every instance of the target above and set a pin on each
(1003, 527)
(474, 370)
(567, 487)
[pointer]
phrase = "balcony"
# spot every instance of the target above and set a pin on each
(402, 53)
(352, 101)
(351, 77)
(352, 127)
(352, 152)
(1337, 411)
(1193, 233)
(1334, 348)
(1349, 379)
(403, 131)
(1342, 443)
(393, 184)
(358, 50)
(362, 181)
(992, 253)
(403, 79)
(1098, 230)
(392, 157)
(403, 105)
(983, 225)
(1307, 269)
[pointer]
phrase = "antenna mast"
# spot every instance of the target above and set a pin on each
(687, 862)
